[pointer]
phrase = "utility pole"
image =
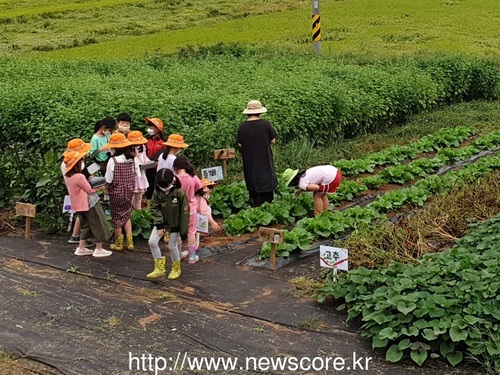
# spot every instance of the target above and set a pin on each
(316, 26)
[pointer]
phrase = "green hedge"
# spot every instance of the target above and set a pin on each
(44, 104)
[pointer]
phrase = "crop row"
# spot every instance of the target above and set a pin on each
(330, 224)
(288, 208)
(445, 305)
(232, 198)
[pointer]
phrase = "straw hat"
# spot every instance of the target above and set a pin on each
(176, 140)
(117, 140)
(71, 158)
(288, 175)
(156, 122)
(254, 107)
(136, 138)
(77, 144)
(207, 183)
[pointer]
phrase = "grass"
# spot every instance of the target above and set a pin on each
(432, 228)
(129, 29)
(48, 26)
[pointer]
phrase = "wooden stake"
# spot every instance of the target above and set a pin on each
(27, 232)
(273, 256)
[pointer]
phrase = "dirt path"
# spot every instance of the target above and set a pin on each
(81, 315)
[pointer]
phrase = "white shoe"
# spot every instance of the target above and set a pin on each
(101, 253)
(184, 254)
(83, 251)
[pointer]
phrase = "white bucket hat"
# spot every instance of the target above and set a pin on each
(254, 107)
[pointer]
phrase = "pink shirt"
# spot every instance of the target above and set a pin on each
(322, 174)
(190, 184)
(202, 206)
(79, 189)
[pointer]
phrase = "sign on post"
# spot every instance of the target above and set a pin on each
(28, 211)
(274, 236)
(334, 257)
(213, 173)
(224, 154)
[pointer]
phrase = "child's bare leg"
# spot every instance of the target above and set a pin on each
(76, 228)
(325, 202)
(318, 203)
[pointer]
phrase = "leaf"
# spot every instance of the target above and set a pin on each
(446, 348)
(394, 354)
(455, 357)
(378, 343)
(419, 356)
(387, 333)
(404, 344)
(457, 334)
(43, 181)
(406, 308)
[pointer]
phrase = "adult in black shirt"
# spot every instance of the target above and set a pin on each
(255, 137)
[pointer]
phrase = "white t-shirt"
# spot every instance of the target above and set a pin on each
(166, 163)
(320, 175)
(110, 169)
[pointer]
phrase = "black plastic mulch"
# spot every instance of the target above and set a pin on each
(82, 315)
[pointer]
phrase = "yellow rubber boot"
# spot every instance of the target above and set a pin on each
(118, 245)
(130, 242)
(176, 270)
(159, 270)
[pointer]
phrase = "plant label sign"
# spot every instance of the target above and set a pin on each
(334, 257)
(201, 223)
(25, 209)
(28, 211)
(274, 236)
(225, 153)
(213, 174)
(271, 235)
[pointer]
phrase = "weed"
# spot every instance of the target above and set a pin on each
(311, 322)
(73, 269)
(26, 292)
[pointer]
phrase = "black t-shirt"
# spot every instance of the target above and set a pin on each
(258, 164)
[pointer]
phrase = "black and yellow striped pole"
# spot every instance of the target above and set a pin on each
(316, 26)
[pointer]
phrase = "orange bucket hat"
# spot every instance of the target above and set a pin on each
(77, 144)
(176, 140)
(117, 140)
(71, 158)
(207, 183)
(136, 138)
(156, 122)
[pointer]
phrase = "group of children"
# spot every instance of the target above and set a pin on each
(133, 165)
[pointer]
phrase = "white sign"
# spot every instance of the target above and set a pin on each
(213, 174)
(334, 257)
(201, 223)
(93, 168)
(67, 204)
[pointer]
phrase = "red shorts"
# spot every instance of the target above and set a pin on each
(334, 185)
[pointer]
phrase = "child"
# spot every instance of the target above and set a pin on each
(76, 144)
(190, 183)
(170, 211)
(85, 202)
(123, 121)
(102, 131)
(141, 184)
(174, 144)
(155, 138)
(122, 171)
(320, 180)
(202, 206)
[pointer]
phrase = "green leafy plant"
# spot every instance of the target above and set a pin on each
(440, 308)
(142, 223)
